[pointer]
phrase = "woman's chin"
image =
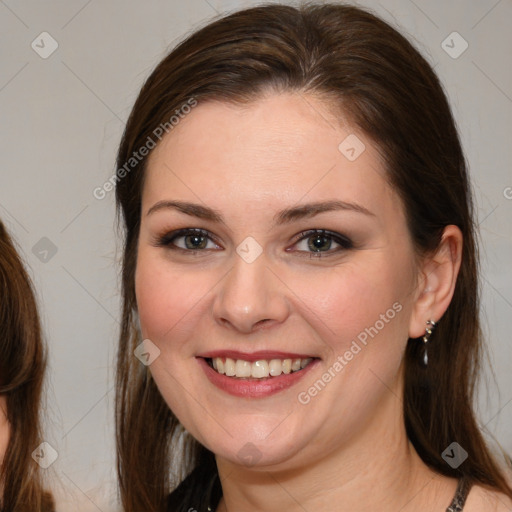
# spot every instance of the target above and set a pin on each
(257, 454)
(252, 457)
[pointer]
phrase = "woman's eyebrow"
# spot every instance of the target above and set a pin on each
(283, 217)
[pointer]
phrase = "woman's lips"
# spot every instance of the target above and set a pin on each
(250, 387)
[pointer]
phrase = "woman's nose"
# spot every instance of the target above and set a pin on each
(251, 296)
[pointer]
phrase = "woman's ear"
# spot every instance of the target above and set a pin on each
(436, 283)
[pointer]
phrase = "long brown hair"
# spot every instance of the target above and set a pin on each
(22, 368)
(366, 69)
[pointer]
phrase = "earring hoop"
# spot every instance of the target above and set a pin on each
(426, 339)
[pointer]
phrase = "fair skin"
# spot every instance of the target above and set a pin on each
(346, 449)
(4, 430)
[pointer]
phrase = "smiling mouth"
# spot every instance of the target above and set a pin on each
(261, 369)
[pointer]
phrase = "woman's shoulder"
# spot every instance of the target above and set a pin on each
(486, 499)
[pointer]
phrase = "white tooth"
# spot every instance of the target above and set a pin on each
(229, 367)
(287, 366)
(275, 367)
(242, 368)
(214, 363)
(260, 369)
(295, 365)
(220, 365)
(305, 362)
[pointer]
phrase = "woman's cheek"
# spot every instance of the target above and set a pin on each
(166, 297)
(156, 299)
(345, 298)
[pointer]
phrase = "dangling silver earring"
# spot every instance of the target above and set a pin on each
(426, 338)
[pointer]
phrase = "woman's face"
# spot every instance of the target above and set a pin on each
(260, 293)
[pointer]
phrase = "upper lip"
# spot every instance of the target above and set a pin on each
(253, 356)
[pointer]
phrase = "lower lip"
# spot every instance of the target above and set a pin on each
(254, 388)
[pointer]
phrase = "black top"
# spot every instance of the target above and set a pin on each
(184, 497)
(200, 491)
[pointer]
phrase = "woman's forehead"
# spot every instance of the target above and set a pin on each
(283, 146)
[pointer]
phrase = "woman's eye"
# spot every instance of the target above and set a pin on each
(316, 242)
(319, 242)
(187, 240)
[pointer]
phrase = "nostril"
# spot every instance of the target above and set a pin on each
(248, 328)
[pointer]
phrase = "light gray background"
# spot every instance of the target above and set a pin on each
(61, 120)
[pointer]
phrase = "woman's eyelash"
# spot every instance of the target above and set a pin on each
(321, 235)
(344, 242)
(169, 239)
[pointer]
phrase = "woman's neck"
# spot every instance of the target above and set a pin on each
(378, 469)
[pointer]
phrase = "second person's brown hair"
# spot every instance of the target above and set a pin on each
(22, 370)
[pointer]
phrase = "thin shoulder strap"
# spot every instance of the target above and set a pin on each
(457, 504)
(461, 495)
